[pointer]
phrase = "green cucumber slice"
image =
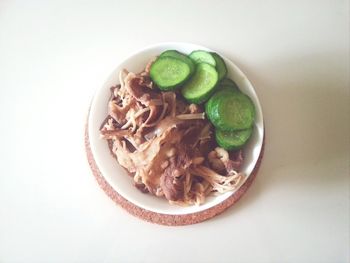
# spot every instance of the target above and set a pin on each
(181, 56)
(220, 65)
(228, 82)
(221, 87)
(201, 56)
(233, 140)
(230, 111)
(201, 85)
(169, 73)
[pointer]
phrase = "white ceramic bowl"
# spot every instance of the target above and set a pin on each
(116, 176)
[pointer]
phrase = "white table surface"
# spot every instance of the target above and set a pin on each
(54, 55)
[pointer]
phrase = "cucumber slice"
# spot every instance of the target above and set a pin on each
(221, 87)
(228, 82)
(233, 140)
(170, 53)
(201, 56)
(230, 111)
(178, 55)
(220, 65)
(169, 73)
(202, 84)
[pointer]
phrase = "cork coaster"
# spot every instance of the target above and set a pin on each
(165, 219)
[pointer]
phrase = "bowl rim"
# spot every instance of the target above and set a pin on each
(139, 52)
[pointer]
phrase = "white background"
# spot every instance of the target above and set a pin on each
(53, 57)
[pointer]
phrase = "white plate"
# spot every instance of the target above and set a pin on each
(116, 176)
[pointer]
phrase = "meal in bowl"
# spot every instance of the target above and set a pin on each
(179, 127)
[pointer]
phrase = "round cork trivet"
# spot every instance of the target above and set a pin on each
(165, 219)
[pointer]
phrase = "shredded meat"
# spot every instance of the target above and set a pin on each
(172, 180)
(166, 144)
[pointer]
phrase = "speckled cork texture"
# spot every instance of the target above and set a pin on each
(164, 219)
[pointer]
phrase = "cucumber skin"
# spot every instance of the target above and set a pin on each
(176, 54)
(196, 60)
(229, 145)
(171, 87)
(203, 97)
(212, 110)
(220, 65)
